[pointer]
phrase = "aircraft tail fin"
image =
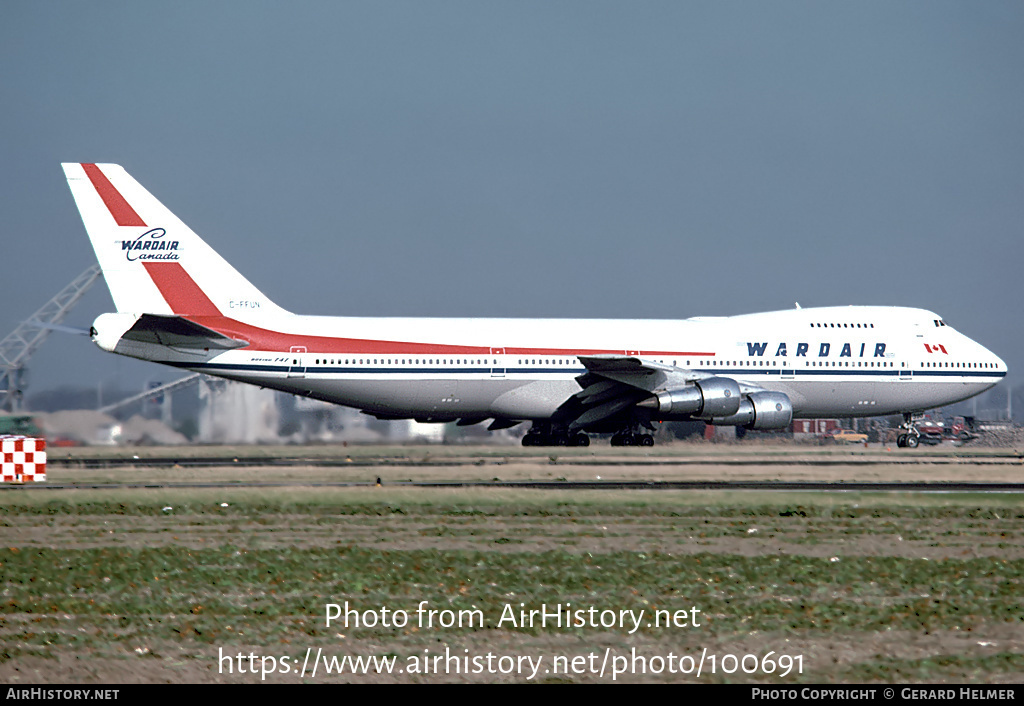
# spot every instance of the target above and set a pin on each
(153, 263)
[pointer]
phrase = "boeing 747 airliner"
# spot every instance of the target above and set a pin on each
(180, 304)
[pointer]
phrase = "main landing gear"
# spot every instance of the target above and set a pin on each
(909, 437)
(629, 438)
(632, 434)
(546, 435)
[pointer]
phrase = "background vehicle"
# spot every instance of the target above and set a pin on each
(846, 436)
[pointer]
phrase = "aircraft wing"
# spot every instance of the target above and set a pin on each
(178, 332)
(614, 383)
(636, 372)
(648, 375)
(622, 364)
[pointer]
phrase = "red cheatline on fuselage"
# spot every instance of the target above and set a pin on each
(267, 340)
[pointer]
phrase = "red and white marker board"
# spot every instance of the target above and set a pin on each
(23, 459)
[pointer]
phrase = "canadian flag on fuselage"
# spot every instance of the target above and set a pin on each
(935, 348)
(153, 263)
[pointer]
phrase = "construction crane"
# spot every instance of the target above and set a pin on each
(155, 392)
(20, 344)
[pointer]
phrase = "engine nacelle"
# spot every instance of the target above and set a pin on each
(721, 397)
(705, 399)
(772, 410)
(760, 410)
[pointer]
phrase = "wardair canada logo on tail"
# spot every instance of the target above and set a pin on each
(148, 247)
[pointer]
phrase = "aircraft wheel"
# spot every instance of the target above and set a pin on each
(560, 440)
(628, 440)
(617, 440)
(912, 441)
(647, 440)
(901, 440)
(579, 440)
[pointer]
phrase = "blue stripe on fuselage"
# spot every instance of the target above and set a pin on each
(738, 372)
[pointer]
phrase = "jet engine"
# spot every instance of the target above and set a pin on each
(760, 410)
(705, 399)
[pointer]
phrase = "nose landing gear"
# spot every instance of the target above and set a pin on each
(909, 437)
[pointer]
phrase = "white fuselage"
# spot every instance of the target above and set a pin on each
(831, 362)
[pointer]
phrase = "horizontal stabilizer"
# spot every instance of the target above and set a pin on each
(178, 332)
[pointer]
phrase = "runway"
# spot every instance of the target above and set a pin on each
(782, 486)
(683, 466)
(422, 458)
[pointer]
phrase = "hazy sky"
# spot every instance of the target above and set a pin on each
(565, 159)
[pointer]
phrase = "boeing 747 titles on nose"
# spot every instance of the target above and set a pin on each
(181, 304)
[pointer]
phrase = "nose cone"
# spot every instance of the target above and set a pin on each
(997, 367)
(1001, 364)
(974, 351)
(986, 369)
(995, 362)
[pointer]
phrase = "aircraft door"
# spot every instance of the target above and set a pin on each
(497, 364)
(297, 363)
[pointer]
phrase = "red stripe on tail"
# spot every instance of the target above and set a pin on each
(122, 212)
(179, 290)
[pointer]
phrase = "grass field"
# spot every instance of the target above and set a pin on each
(173, 585)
